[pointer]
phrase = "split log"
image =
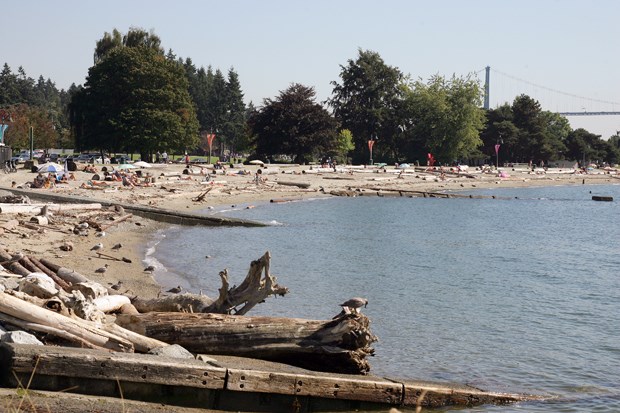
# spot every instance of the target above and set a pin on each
(40, 220)
(41, 328)
(339, 345)
(37, 208)
(37, 316)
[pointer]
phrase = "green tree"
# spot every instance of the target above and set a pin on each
(135, 100)
(582, 146)
(447, 115)
(344, 145)
(25, 116)
(366, 102)
(37, 103)
(235, 125)
(558, 128)
(135, 37)
(9, 91)
(534, 141)
(294, 124)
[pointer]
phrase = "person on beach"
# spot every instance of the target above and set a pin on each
(38, 181)
(127, 182)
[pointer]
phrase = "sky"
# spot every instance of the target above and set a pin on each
(563, 53)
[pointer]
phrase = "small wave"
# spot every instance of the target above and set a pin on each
(151, 249)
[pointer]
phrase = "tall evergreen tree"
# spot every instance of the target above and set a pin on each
(235, 126)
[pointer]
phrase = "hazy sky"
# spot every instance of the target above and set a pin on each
(532, 46)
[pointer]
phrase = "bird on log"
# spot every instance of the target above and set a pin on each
(354, 304)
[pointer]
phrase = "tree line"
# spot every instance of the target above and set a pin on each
(137, 98)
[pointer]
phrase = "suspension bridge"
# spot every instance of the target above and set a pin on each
(505, 87)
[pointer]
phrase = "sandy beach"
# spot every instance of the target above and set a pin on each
(168, 187)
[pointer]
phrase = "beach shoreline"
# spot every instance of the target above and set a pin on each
(174, 190)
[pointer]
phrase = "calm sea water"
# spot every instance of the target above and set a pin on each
(519, 295)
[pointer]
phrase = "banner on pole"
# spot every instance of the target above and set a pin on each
(430, 159)
(497, 149)
(370, 144)
(210, 137)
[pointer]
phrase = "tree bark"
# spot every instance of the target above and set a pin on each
(339, 345)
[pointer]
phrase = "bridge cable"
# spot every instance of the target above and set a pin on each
(555, 90)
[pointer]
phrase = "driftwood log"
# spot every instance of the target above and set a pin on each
(297, 184)
(37, 208)
(85, 333)
(338, 345)
(255, 288)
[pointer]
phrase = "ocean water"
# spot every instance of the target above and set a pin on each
(519, 295)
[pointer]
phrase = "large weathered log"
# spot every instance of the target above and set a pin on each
(189, 303)
(339, 345)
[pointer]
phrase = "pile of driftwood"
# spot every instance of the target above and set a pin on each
(66, 308)
(63, 307)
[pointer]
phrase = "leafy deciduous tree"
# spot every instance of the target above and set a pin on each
(294, 124)
(135, 100)
(365, 102)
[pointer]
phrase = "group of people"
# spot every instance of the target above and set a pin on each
(50, 180)
(161, 157)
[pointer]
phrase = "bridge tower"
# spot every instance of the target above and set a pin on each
(487, 87)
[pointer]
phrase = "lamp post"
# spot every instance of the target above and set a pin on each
(31, 133)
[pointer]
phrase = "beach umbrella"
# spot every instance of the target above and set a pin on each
(256, 162)
(51, 167)
(143, 164)
(126, 166)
